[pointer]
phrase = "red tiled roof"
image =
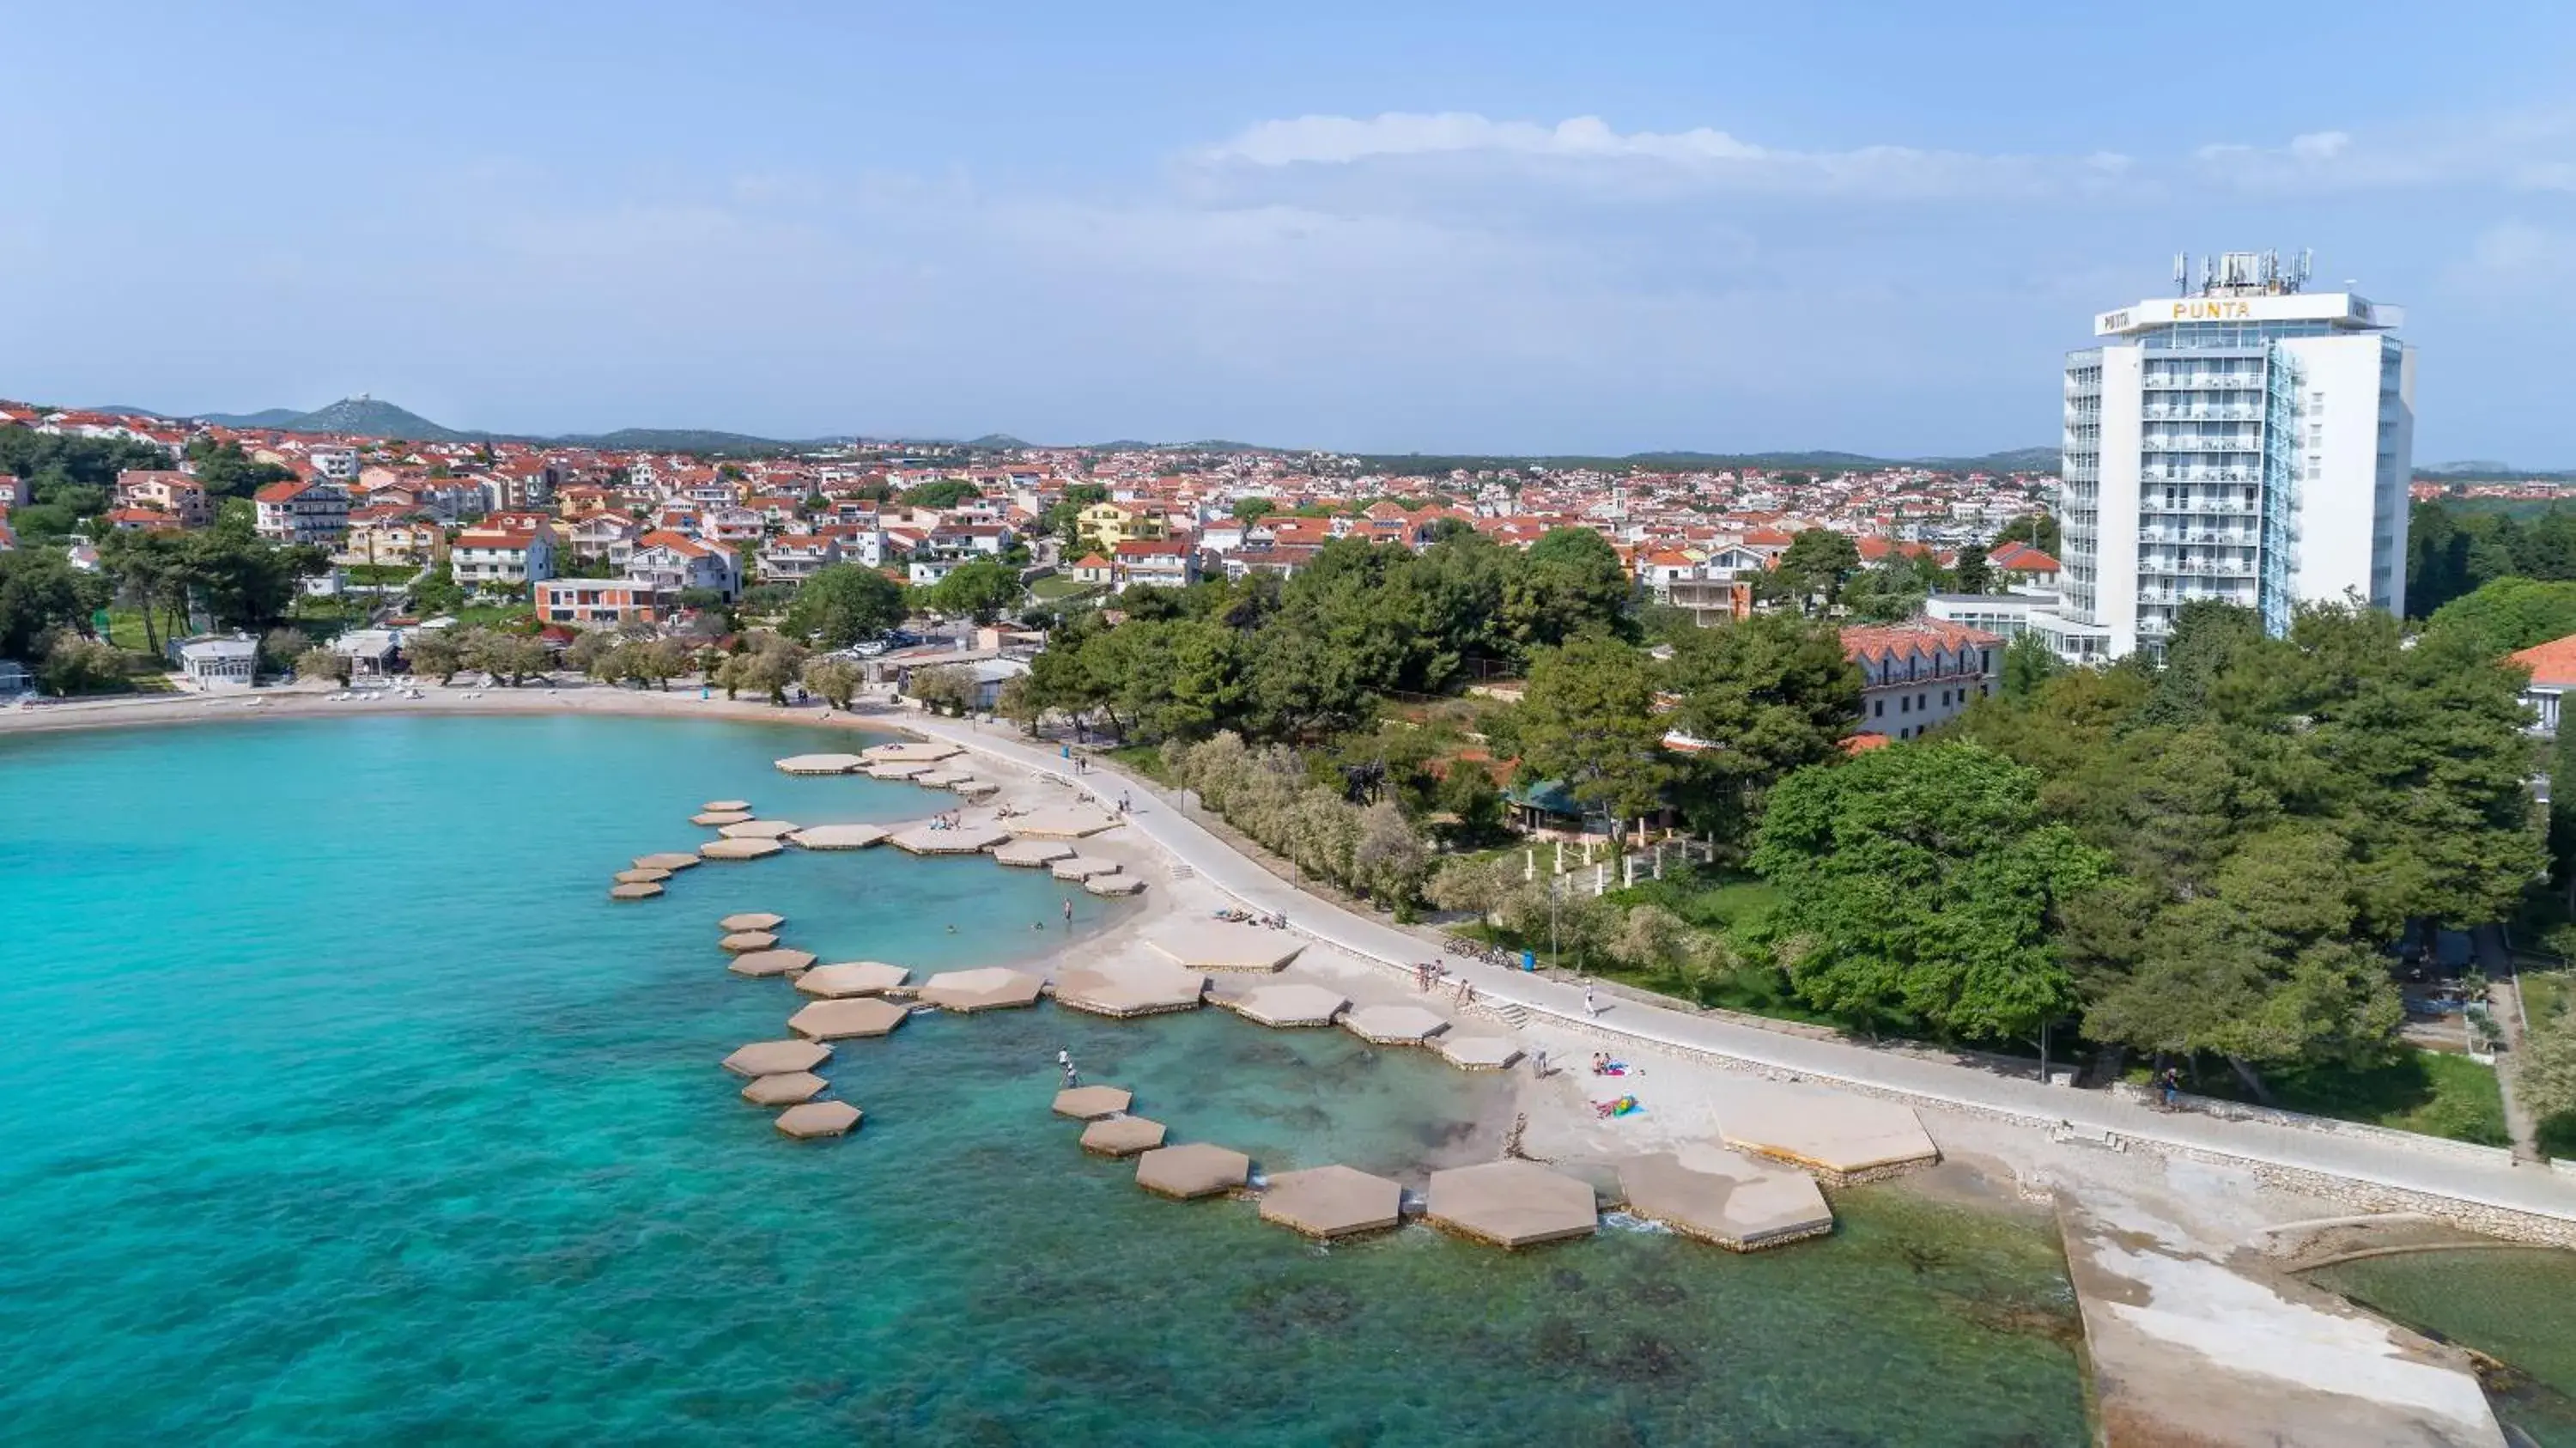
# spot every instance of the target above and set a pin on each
(1879, 640)
(2552, 663)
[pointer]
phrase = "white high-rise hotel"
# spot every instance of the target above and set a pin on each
(2248, 441)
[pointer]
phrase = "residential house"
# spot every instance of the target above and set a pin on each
(1162, 564)
(1921, 672)
(501, 557)
(1092, 568)
(795, 557)
(602, 602)
(314, 512)
(179, 496)
(674, 564)
(1110, 524)
(2553, 673)
(2021, 563)
(391, 537)
(217, 663)
(606, 536)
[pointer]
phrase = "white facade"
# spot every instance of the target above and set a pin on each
(2249, 443)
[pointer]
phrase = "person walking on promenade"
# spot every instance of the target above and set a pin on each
(1591, 1006)
(2169, 1083)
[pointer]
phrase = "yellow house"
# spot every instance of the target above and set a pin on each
(1110, 524)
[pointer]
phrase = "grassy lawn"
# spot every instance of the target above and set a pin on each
(2545, 998)
(1145, 759)
(492, 615)
(2431, 1092)
(1056, 588)
(375, 573)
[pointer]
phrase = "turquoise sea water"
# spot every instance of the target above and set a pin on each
(2516, 1305)
(340, 1105)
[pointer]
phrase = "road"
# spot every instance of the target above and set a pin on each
(2532, 1189)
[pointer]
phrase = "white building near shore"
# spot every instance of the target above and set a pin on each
(2247, 441)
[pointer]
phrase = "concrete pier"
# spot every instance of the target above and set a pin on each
(666, 860)
(1842, 1138)
(715, 805)
(852, 978)
(1512, 1204)
(760, 830)
(739, 849)
(1139, 988)
(993, 987)
(819, 1119)
(641, 877)
(897, 770)
(1393, 1025)
(1063, 822)
(1725, 1197)
(838, 837)
(1329, 1202)
(819, 763)
(634, 890)
(1122, 1136)
(751, 920)
(1224, 945)
(914, 751)
(853, 1018)
(1284, 1007)
(713, 818)
(1081, 867)
(778, 961)
(744, 942)
(774, 1058)
(1192, 1171)
(1115, 884)
(785, 1089)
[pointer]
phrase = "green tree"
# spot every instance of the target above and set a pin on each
(844, 603)
(1589, 719)
(1252, 510)
(1770, 694)
(1974, 573)
(837, 681)
(2508, 614)
(321, 663)
(2039, 530)
(41, 591)
(1569, 582)
(434, 651)
(1813, 569)
(2028, 662)
(72, 664)
(227, 472)
(943, 690)
(1922, 882)
(941, 493)
(982, 589)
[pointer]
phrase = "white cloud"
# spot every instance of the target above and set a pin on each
(2530, 151)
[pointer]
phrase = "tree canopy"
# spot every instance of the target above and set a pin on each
(843, 603)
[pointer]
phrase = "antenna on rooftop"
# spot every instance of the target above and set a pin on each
(2182, 273)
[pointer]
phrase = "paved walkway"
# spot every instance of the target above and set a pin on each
(2428, 1170)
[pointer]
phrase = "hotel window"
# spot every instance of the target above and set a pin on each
(1904, 703)
(1878, 708)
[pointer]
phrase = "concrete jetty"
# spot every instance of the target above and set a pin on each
(1333, 1201)
(1512, 1204)
(666, 860)
(921, 839)
(1032, 854)
(1194, 1170)
(785, 1089)
(716, 817)
(1140, 988)
(942, 776)
(714, 805)
(744, 942)
(751, 920)
(1224, 945)
(897, 770)
(913, 751)
(1090, 1103)
(850, 1018)
(775, 1058)
(1842, 1138)
(1081, 867)
(838, 837)
(819, 1119)
(730, 849)
(760, 830)
(852, 978)
(1393, 1025)
(1122, 1136)
(1063, 822)
(1114, 884)
(634, 890)
(1725, 1197)
(641, 876)
(994, 987)
(1283, 1007)
(777, 961)
(819, 763)
(977, 789)
(1478, 1053)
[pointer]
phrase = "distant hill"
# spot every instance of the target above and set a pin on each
(275, 417)
(675, 439)
(998, 441)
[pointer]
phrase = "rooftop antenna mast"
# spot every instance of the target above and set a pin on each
(2182, 273)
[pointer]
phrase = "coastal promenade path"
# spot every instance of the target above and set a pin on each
(2530, 1189)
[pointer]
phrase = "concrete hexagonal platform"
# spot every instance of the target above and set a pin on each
(665, 860)
(852, 978)
(819, 763)
(1512, 1204)
(838, 837)
(993, 987)
(1032, 854)
(842, 1020)
(772, 1058)
(640, 890)
(760, 830)
(1194, 1170)
(1725, 1197)
(714, 818)
(750, 920)
(641, 875)
(1393, 1025)
(744, 942)
(784, 1089)
(739, 849)
(1122, 1136)
(1333, 1201)
(1081, 867)
(1287, 1006)
(1090, 1103)
(761, 963)
(1842, 1138)
(1117, 883)
(966, 840)
(819, 1118)
(1478, 1053)
(1220, 945)
(1130, 988)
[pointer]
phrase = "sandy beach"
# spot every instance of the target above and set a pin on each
(2167, 1252)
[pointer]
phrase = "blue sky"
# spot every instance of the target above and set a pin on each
(1388, 227)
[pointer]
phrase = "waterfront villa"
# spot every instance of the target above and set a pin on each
(500, 556)
(601, 602)
(217, 662)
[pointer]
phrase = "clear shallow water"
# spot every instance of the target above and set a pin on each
(2515, 1305)
(340, 1105)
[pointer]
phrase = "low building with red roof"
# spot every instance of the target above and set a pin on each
(1921, 672)
(2553, 673)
